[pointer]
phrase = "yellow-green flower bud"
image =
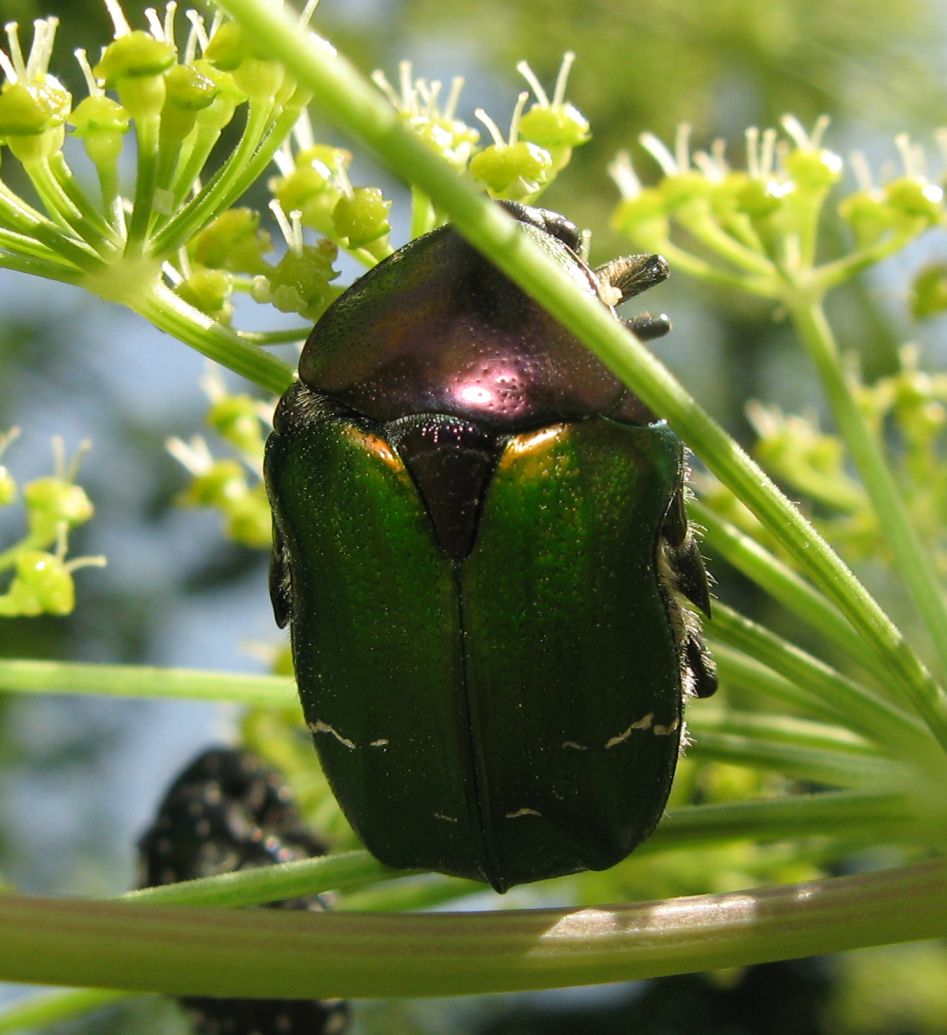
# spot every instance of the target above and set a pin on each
(234, 242)
(362, 218)
(929, 291)
(219, 113)
(42, 585)
(209, 291)
(555, 128)
(300, 281)
(512, 171)
(814, 169)
(32, 117)
(868, 214)
(335, 159)
(187, 92)
(101, 123)
(223, 481)
(234, 50)
(452, 139)
(236, 419)
(314, 187)
(135, 65)
(31, 109)
(249, 519)
(51, 503)
(913, 197)
(760, 199)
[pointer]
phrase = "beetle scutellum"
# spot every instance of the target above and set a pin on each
(482, 549)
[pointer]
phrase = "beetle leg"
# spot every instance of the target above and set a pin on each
(701, 665)
(690, 575)
(632, 274)
(648, 326)
(674, 525)
(281, 588)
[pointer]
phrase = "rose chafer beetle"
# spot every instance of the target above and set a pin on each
(481, 546)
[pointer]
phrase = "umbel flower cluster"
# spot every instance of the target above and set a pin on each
(174, 225)
(53, 505)
(761, 231)
(169, 240)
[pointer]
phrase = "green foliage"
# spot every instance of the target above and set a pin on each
(818, 760)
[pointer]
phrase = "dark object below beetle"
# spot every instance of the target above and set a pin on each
(230, 811)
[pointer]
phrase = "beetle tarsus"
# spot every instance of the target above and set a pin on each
(632, 274)
(648, 326)
(702, 667)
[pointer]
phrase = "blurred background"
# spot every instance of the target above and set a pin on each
(82, 777)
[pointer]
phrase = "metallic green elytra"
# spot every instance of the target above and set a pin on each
(481, 547)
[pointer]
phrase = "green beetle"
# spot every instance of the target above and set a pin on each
(481, 546)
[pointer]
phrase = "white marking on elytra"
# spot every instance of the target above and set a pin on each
(575, 746)
(523, 812)
(323, 727)
(663, 731)
(382, 742)
(446, 819)
(644, 723)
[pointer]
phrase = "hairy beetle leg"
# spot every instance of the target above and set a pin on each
(632, 274)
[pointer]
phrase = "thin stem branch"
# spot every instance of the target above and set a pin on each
(170, 313)
(851, 703)
(23, 676)
(911, 555)
(784, 584)
(41, 1011)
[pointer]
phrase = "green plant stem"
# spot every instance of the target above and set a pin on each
(261, 139)
(49, 677)
(41, 1011)
(704, 226)
(360, 111)
(803, 751)
(277, 953)
(92, 217)
(740, 671)
(42, 233)
(422, 214)
(162, 307)
(192, 159)
(798, 763)
(342, 872)
(701, 269)
(291, 336)
(148, 130)
(847, 268)
(912, 558)
(877, 816)
(58, 207)
(784, 584)
(850, 702)
(41, 268)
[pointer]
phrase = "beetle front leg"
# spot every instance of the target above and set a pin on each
(648, 326)
(632, 274)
